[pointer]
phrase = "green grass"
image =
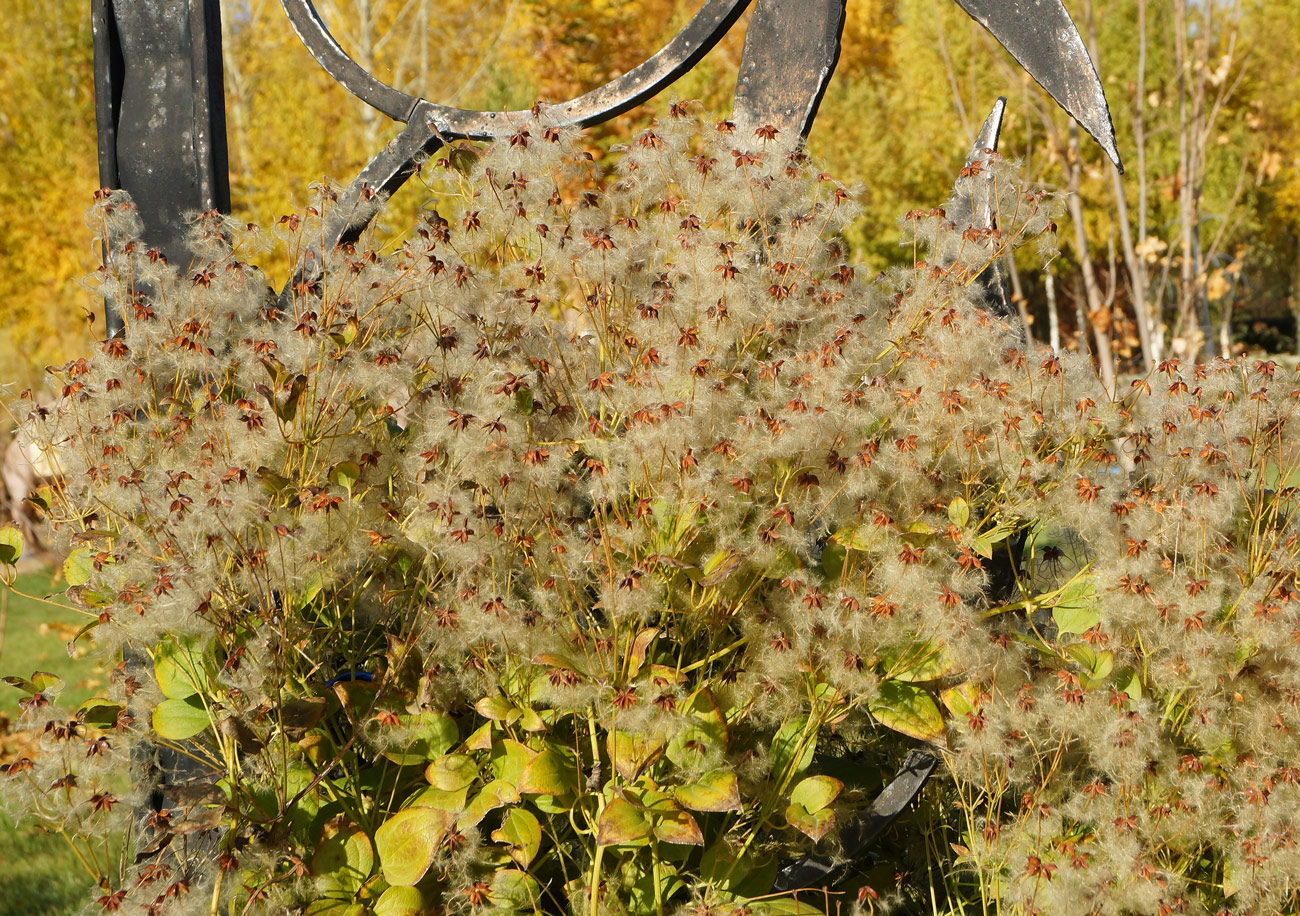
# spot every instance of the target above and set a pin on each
(35, 638)
(39, 875)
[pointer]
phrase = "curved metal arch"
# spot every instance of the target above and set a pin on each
(625, 92)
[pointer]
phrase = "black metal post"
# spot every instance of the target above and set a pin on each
(160, 110)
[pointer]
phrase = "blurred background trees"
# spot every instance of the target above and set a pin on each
(1195, 252)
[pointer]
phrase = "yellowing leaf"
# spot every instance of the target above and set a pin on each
(632, 753)
(495, 794)
(959, 512)
(407, 842)
(401, 901)
(816, 792)
(78, 567)
(921, 660)
(813, 824)
(344, 861)
(549, 773)
(716, 790)
(451, 772)
(908, 709)
(521, 832)
(960, 699)
(622, 823)
(11, 545)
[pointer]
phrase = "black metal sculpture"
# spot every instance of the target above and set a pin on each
(159, 104)
(160, 110)
(791, 49)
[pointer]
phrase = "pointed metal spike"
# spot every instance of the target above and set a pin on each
(987, 139)
(973, 204)
(986, 142)
(1041, 35)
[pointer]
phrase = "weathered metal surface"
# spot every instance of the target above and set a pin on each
(1041, 35)
(974, 205)
(160, 108)
(791, 49)
(820, 870)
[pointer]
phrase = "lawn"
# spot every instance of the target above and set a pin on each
(39, 875)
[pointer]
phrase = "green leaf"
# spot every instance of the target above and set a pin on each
(179, 666)
(959, 512)
(492, 796)
(46, 683)
(832, 560)
(289, 408)
(333, 906)
(696, 743)
(717, 790)
(522, 834)
(99, 712)
(41, 498)
(1078, 609)
(816, 792)
(516, 889)
(509, 759)
(402, 901)
(960, 699)
(791, 751)
(622, 823)
(452, 772)
(496, 707)
(748, 875)
(179, 719)
(424, 736)
(312, 584)
(855, 538)
(11, 544)
(552, 772)
(345, 474)
(78, 567)
(344, 861)
(1099, 665)
(408, 841)
(908, 709)
(452, 800)
(524, 401)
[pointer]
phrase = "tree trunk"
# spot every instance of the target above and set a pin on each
(1098, 314)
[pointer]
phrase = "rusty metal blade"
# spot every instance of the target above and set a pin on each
(1041, 35)
(791, 49)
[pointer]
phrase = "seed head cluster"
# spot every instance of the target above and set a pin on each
(616, 445)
